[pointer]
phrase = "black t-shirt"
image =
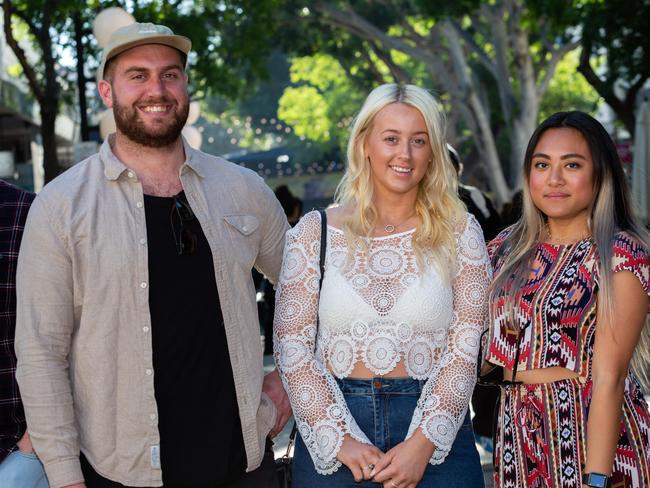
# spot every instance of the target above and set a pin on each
(200, 431)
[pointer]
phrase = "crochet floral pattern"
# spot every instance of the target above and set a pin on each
(376, 307)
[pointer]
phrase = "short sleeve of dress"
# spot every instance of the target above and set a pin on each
(628, 254)
(320, 410)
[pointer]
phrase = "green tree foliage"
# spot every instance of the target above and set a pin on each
(568, 90)
(45, 22)
(617, 30)
(231, 41)
(321, 102)
(490, 62)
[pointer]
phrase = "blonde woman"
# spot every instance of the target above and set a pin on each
(380, 363)
(568, 305)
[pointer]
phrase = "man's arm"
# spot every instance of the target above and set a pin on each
(274, 226)
(44, 327)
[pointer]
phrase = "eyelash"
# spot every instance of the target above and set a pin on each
(394, 139)
(166, 75)
(544, 165)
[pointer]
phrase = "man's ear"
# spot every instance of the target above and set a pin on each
(106, 92)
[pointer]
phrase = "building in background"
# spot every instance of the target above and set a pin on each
(21, 154)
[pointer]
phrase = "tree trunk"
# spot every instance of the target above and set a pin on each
(488, 150)
(520, 132)
(47, 93)
(81, 77)
(48, 134)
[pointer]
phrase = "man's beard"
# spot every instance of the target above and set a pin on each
(129, 123)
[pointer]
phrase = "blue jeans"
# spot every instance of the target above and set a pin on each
(383, 408)
(22, 470)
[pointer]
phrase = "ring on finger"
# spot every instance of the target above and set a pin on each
(370, 467)
(393, 484)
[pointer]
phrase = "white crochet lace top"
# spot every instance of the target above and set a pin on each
(379, 309)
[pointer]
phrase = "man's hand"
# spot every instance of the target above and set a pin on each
(272, 386)
(25, 444)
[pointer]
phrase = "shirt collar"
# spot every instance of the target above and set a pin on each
(113, 167)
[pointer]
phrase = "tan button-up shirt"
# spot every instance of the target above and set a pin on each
(83, 334)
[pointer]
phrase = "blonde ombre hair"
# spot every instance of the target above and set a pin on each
(610, 212)
(438, 207)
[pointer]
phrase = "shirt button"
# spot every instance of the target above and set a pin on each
(148, 372)
(152, 416)
(130, 174)
(138, 204)
(143, 241)
(143, 284)
(244, 228)
(145, 329)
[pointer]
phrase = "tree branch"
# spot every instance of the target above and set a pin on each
(398, 74)
(500, 41)
(603, 89)
(30, 74)
(549, 69)
(357, 25)
(377, 75)
(23, 16)
(475, 48)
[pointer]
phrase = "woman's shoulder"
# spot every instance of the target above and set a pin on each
(307, 229)
(629, 253)
(626, 242)
(337, 215)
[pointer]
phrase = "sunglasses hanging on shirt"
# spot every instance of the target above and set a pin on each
(181, 213)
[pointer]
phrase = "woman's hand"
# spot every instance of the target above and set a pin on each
(403, 466)
(360, 458)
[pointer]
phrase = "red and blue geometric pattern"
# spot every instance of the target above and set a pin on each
(541, 429)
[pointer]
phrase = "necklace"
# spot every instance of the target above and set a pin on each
(586, 235)
(390, 228)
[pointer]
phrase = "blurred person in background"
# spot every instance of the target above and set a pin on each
(292, 207)
(484, 399)
(478, 203)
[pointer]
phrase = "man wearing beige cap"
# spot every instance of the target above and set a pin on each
(139, 355)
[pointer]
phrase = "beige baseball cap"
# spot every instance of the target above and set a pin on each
(137, 34)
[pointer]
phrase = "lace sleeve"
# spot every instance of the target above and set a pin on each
(443, 403)
(318, 405)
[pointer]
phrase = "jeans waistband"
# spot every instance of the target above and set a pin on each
(379, 385)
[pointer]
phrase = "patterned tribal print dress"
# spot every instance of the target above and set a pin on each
(541, 431)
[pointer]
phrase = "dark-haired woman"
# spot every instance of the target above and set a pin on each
(568, 308)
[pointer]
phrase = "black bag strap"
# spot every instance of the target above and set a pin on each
(321, 264)
(323, 244)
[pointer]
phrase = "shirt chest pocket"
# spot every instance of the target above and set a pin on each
(244, 238)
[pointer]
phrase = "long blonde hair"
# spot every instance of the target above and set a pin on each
(610, 212)
(437, 206)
